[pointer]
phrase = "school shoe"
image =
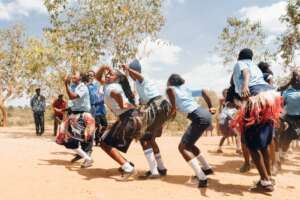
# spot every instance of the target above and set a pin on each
(162, 172)
(202, 183)
(149, 175)
(208, 171)
(87, 163)
(76, 158)
(121, 170)
(262, 188)
(126, 176)
(245, 168)
(219, 151)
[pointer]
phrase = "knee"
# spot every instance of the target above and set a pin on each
(181, 148)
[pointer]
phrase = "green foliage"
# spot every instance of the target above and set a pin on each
(239, 34)
(290, 39)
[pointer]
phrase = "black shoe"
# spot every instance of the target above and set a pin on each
(149, 175)
(202, 183)
(208, 171)
(162, 172)
(76, 158)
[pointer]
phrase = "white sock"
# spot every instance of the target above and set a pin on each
(127, 167)
(83, 154)
(197, 169)
(203, 162)
(151, 161)
(160, 163)
(265, 183)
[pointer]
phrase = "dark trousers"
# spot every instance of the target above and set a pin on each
(57, 121)
(39, 122)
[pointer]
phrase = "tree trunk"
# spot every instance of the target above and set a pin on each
(3, 111)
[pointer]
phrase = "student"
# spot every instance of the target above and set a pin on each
(157, 110)
(225, 117)
(257, 116)
(120, 100)
(292, 115)
(97, 105)
(267, 72)
(59, 106)
(80, 124)
(181, 99)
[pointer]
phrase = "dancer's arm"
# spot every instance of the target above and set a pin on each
(100, 72)
(245, 87)
(119, 99)
(172, 98)
(71, 95)
(133, 74)
(207, 99)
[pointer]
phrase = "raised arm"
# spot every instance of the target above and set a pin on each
(100, 72)
(119, 99)
(71, 95)
(132, 73)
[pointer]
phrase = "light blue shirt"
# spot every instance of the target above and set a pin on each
(82, 103)
(185, 102)
(227, 113)
(146, 90)
(111, 102)
(292, 100)
(256, 75)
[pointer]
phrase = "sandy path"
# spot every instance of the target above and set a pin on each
(36, 168)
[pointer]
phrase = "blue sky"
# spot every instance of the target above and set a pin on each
(192, 28)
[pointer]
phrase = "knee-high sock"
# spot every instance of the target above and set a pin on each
(160, 163)
(197, 169)
(83, 154)
(149, 154)
(203, 162)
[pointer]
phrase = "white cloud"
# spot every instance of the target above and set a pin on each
(12, 9)
(268, 16)
(154, 54)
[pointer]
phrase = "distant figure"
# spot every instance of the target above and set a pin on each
(38, 106)
(59, 106)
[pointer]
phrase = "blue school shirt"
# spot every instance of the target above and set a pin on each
(110, 102)
(82, 103)
(292, 101)
(96, 99)
(185, 102)
(256, 75)
(146, 90)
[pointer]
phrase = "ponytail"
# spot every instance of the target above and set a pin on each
(123, 81)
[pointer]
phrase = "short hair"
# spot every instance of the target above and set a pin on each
(176, 80)
(245, 54)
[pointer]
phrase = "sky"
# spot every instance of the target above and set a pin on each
(186, 43)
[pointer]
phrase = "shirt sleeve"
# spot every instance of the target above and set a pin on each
(242, 66)
(196, 93)
(115, 87)
(81, 90)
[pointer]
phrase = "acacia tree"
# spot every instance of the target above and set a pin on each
(239, 34)
(22, 65)
(290, 39)
(83, 31)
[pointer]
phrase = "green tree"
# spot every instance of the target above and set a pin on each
(86, 30)
(22, 65)
(239, 34)
(290, 39)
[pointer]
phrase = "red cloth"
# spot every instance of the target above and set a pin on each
(59, 104)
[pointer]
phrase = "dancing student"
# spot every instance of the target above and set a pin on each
(292, 115)
(59, 106)
(274, 146)
(267, 72)
(97, 106)
(227, 131)
(257, 116)
(181, 99)
(80, 124)
(157, 110)
(121, 101)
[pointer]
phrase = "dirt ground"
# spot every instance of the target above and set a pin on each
(36, 168)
